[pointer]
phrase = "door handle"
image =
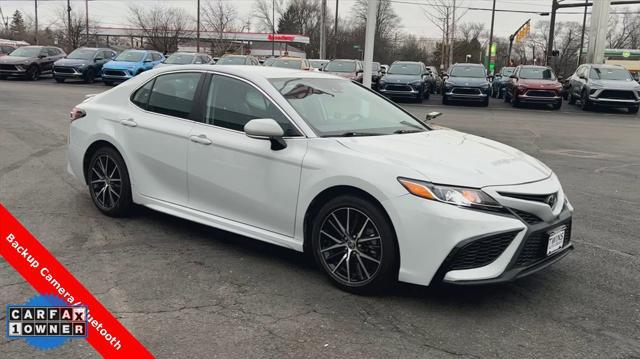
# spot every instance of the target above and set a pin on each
(201, 139)
(129, 123)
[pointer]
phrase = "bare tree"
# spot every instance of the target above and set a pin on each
(263, 12)
(445, 14)
(387, 25)
(73, 25)
(624, 30)
(161, 27)
(220, 16)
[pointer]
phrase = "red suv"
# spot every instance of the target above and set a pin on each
(534, 84)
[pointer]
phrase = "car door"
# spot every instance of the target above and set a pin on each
(154, 130)
(240, 178)
(580, 80)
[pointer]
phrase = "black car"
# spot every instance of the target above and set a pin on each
(406, 79)
(467, 82)
(84, 64)
(500, 81)
(30, 62)
(376, 74)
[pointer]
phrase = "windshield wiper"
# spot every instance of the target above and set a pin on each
(355, 134)
(407, 131)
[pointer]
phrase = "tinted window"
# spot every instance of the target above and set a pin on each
(341, 66)
(468, 71)
(605, 73)
(141, 97)
(156, 57)
(232, 103)
(231, 60)
(536, 73)
(405, 69)
(130, 56)
(52, 52)
(173, 94)
(82, 54)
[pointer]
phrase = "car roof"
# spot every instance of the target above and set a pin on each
(609, 66)
(351, 60)
(138, 50)
(468, 64)
(406, 62)
(249, 72)
(535, 66)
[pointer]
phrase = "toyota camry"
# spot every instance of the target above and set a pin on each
(318, 163)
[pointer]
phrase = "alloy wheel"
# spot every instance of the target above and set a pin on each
(350, 246)
(105, 182)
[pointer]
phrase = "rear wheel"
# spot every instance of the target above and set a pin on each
(354, 243)
(514, 101)
(107, 83)
(507, 97)
(634, 109)
(109, 184)
(59, 80)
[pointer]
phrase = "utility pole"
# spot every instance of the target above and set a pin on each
(491, 58)
(273, 28)
(69, 22)
(323, 30)
(36, 8)
(444, 27)
(369, 40)
(335, 34)
(198, 28)
(584, 26)
(552, 29)
(598, 31)
(86, 18)
(452, 38)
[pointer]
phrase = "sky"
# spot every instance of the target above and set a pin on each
(413, 20)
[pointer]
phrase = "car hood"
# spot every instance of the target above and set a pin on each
(546, 84)
(72, 62)
(467, 81)
(121, 64)
(15, 60)
(453, 158)
(616, 84)
(402, 79)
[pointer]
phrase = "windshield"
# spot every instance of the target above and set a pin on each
(179, 59)
(26, 52)
(610, 74)
(404, 69)
(317, 63)
(341, 66)
(468, 71)
(288, 64)
(130, 56)
(269, 61)
(375, 66)
(507, 71)
(334, 107)
(536, 73)
(82, 54)
(231, 60)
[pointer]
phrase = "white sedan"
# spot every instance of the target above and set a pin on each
(317, 163)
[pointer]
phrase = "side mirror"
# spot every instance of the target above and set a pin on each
(98, 59)
(583, 77)
(490, 77)
(266, 129)
(431, 115)
(42, 56)
(147, 60)
(560, 78)
(513, 77)
(444, 76)
(359, 71)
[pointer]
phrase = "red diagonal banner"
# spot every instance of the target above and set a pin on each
(48, 276)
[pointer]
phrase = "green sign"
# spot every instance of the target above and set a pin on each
(626, 53)
(356, 46)
(493, 49)
(492, 67)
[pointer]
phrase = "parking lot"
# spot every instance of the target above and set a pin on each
(186, 290)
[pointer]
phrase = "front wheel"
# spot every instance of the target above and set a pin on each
(90, 76)
(572, 99)
(109, 184)
(507, 96)
(634, 109)
(427, 94)
(33, 73)
(107, 83)
(584, 102)
(485, 103)
(557, 105)
(59, 80)
(354, 243)
(445, 100)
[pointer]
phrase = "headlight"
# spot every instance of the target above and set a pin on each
(81, 66)
(459, 196)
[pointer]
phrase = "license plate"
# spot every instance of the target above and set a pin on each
(556, 240)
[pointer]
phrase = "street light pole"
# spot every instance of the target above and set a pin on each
(323, 30)
(552, 28)
(369, 40)
(36, 8)
(198, 28)
(86, 18)
(71, 45)
(335, 34)
(493, 15)
(584, 25)
(273, 28)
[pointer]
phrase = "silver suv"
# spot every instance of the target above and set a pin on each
(604, 85)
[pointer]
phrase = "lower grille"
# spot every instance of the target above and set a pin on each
(535, 247)
(63, 70)
(527, 217)
(539, 93)
(398, 88)
(114, 73)
(482, 251)
(466, 91)
(617, 95)
(8, 67)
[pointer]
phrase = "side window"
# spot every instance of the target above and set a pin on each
(199, 60)
(148, 57)
(141, 97)
(173, 94)
(232, 103)
(44, 52)
(156, 57)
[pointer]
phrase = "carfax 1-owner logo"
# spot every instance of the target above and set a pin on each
(46, 321)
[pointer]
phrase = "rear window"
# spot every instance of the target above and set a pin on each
(171, 94)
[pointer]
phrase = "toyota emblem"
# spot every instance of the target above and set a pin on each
(551, 200)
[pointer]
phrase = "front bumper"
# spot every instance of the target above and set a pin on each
(466, 93)
(67, 72)
(599, 98)
(526, 98)
(399, 90)
(116, 74)
(13, 70)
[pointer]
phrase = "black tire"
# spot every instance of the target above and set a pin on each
(111, 194)
(633, 109)
(514, 101)
(374, 261)
(3, 77)
(33, 73)
(59, 80)
(419, 97)
(485, 103)
(107, 83)
(557, 105)
(494, 93)
(427, 94)
(507, 96)
(572, 99)
(585, 104)
(90, 76)
(445, 100)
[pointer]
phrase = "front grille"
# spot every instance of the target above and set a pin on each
(540, 93)
(535, 247)
(63, 70)
(482, 251)
(528, 197)
(114, 73)
(466, 91)
(8, 67)
(617, 95)
(398, 88)
(528, 218)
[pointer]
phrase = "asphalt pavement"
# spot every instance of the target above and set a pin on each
(190, 291)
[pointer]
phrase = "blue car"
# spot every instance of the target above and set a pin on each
(129, 64)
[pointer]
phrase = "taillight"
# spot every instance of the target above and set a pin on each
(76, 113)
